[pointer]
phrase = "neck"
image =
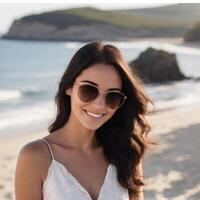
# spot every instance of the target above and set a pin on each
(78, 137)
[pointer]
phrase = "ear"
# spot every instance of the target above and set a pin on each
(68, 91)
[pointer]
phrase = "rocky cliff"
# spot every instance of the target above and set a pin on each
(62, 26)
(86, 24)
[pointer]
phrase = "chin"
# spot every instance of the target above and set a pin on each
(93, 128)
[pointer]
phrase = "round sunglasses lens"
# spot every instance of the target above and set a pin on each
(87, 93)
(114, 99)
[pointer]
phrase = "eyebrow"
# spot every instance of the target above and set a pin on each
(90, 82)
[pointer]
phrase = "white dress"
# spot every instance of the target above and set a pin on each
(60, 184)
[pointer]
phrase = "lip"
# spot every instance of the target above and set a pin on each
(85, 111)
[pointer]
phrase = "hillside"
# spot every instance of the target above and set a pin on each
(185, 14)
(85, 24)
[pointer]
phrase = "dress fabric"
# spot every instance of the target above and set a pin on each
(60, 184)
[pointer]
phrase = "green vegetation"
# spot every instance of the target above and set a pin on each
(122, 19)
(183, 14)
(172, 16)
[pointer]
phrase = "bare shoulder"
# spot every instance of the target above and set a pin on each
(30, 169)
(34, 155)
(33, 150)
(33, 147)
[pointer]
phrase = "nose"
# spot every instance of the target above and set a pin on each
(100, 102)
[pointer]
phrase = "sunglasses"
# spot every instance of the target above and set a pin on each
(113, 99)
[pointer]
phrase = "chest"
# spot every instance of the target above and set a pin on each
(90, 178)
(60, 185)
(89, 173)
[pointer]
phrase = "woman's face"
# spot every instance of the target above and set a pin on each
(88, 114)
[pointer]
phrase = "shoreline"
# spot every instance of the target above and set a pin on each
(179, 41)
(173, 40)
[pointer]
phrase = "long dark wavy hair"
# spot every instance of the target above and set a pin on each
(124, 136)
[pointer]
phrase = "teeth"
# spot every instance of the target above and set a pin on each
(93, 114)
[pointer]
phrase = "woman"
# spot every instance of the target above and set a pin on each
(96, 144)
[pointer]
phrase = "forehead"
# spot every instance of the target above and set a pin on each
(104, 75)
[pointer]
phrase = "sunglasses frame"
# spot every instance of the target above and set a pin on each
(105, 94)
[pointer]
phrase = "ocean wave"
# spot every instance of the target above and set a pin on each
(6, 95)
(178, 94)
(73, 45)
(32, 92)
(27, 115)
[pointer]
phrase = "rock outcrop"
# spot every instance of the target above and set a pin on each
(62, 27)
(157, 66)
(193, 34)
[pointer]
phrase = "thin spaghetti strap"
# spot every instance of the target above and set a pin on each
(49, 147)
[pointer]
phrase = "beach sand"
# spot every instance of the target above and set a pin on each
(169, 40)
(171, 170)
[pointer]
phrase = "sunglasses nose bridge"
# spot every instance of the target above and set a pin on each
(100, 100)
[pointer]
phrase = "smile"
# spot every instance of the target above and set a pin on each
(94, 114)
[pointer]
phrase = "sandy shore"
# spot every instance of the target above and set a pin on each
(172, 170)
(179, 41)
(170, 40)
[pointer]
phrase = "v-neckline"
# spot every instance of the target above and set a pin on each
(79, 184)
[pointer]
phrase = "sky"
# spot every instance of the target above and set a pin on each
(15, 9)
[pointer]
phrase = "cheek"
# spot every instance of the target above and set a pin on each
(77, 105)
(110, 115)
(75, 100)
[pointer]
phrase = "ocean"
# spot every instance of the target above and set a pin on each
(30, 72)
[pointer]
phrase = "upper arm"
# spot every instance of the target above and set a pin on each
(28, 173)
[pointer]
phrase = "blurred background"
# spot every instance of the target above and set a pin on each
(160, 41)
